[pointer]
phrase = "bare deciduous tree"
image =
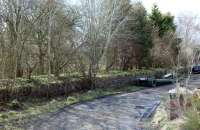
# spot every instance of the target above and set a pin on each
(99, 24)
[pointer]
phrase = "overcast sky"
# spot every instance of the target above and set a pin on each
(175, 7)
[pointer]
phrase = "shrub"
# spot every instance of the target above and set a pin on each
(158, 73)
(16, 105)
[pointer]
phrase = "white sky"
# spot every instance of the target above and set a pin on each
(175, 7)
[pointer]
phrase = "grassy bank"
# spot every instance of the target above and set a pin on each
(189, 118)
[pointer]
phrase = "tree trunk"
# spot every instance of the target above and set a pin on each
(41, 61)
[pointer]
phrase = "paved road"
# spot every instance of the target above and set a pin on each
(194, 81)
(120, 112)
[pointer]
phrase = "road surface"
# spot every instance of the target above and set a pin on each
(119, 112)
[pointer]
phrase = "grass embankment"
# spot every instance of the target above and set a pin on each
(37, 107)
(160, 120)
(189, 117)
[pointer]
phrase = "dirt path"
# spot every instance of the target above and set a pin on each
(120, 112)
